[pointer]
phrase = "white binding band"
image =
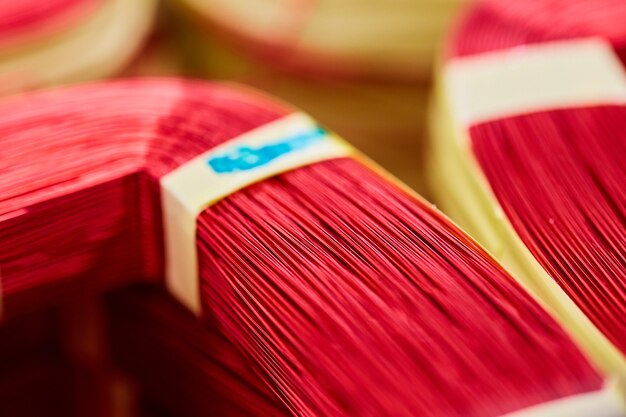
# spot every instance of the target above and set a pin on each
(604, 403)
(283, 145)
(532, 78)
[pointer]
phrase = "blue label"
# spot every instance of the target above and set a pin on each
(245, 158)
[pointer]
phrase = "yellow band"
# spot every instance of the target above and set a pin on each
(603, 403)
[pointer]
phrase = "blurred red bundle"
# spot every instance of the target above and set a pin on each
(529, 150)
(351, 295)
(49, 42)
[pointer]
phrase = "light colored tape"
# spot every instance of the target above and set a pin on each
(604, 403)
(286, 144)
(532, 78)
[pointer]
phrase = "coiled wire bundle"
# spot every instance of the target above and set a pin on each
(348, 293)
(528, 148)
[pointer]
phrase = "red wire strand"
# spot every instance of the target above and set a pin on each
(564, 192)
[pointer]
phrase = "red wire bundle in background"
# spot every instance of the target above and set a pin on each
(49, 42)
(351, 296)
(361, 67)
(497, 24)
(557, 171)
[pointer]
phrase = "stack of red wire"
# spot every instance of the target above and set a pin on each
(568, 204)
(349, 295)
(554, 169)
(326, 290)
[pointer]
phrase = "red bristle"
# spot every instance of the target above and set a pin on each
(559, 174)
(353, 297)
(563, 191)
(317, 299)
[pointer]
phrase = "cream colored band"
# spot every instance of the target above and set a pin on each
(283, 145)
(532, 78)
(605, 403)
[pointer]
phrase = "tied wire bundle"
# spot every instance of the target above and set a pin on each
(361, 67)
(50, 42)
(351, 296)
(557, 172)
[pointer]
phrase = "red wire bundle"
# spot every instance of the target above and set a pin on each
(559, 174)
(53, 42)
(353, 297)
(498, 24)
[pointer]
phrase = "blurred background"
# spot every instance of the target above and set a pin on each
(361, 67)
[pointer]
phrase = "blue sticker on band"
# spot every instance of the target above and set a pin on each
(244, 158)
